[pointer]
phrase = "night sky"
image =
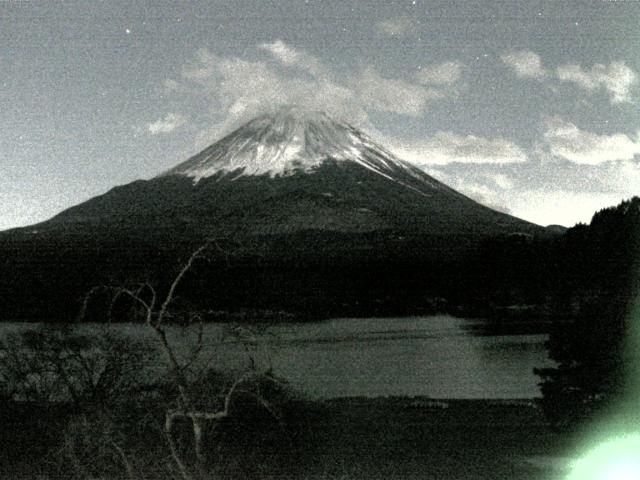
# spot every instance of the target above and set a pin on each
(529, 107)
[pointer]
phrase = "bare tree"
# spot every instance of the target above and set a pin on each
(86, 378)
(56, 364)
(155, 309)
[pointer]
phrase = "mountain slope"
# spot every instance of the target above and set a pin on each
(315, 217)
(290, 171)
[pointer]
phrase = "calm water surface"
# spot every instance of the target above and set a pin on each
(437, 356)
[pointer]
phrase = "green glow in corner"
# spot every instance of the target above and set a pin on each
(618, 459)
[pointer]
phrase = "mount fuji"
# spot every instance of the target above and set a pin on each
(289, 171)
(312, 211)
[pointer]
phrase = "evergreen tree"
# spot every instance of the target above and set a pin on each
(599, 285)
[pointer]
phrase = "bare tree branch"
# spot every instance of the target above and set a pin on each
(125, 460)
(178, 279)
(168, 430)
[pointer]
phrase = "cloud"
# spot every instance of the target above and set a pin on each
(526, 64)
(446, 147)
(473, 187)
(543, 191)
(500, 180)
(202, 68)
(447, 73)
(282, 52)
(616, 78)
(393, 95)
(542, 195)
(567, 141)
(168, 124)
(171, 86)
(400, 27)
(236, 89)
(287, 55)
(624, 177)
(482, 194)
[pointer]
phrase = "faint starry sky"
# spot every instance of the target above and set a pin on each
(530, 107)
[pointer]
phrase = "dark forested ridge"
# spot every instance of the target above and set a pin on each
(307, 274)
(318, 273)
(599, 291)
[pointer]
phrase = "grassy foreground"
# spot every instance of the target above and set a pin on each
(382, 438)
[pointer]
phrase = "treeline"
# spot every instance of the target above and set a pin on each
(556, 275)
(586, 283)
(592, 346)
(319, 274)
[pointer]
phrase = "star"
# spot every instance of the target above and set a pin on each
(127, 31)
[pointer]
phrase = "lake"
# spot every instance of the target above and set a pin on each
(436, 356)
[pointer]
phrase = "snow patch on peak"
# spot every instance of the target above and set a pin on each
(288, 141)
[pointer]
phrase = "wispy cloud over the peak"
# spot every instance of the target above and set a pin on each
(616, 79)
(567, 141)
(291, 56)
(167, 124)
(236, 88)
(526, 64)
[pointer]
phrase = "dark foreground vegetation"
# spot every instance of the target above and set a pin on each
(82, 406)
(348, 439)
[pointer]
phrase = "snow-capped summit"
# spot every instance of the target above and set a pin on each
(290, 140)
